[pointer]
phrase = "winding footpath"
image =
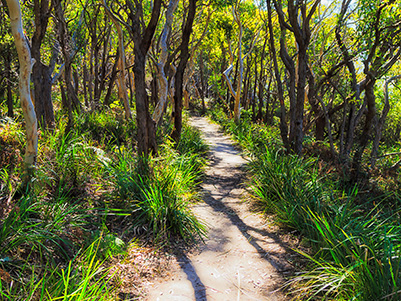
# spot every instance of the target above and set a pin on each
(242, 258)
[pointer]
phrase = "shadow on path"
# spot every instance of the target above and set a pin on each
(189, 270)
(219, 206)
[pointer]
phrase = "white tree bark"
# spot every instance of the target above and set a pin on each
(24, 57)
(190, 66)
(122, 87)
(237, 92)
(161, 76)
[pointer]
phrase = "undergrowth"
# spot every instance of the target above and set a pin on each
(354, 239)
(85, 204)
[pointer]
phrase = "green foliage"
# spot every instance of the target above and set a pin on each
(83, 278)
(356, 253)
(42, 233)
(160, 201)
(252, 137)
(354, 248)
(191, 142)
(40, 227)
(104, 128)
(285, 185)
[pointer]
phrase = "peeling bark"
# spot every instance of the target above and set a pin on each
(24, 57)
(161, 75)
(122, 87)
(236, 94)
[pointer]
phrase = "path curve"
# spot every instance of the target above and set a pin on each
(242, 259)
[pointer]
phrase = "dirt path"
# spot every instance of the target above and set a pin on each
(242, 259)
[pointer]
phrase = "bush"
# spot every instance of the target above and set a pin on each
(160, 201)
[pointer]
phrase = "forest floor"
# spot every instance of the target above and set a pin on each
(243, 257)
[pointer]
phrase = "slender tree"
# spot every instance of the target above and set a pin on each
(179, 75)
(161, 64)
(122, 86)
(142, 36)
(24, 57)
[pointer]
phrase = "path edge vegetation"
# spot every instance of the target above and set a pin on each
(322, 75)
(350, 241)
(89, 208)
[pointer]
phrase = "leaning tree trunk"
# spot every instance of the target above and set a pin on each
(381, 122)
(367, 130)
(24, 57)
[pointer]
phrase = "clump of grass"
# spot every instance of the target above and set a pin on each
(43, 232)
(356, 252)
(160, 200)
(285, 185)
(354, 246)
(83, 278)
(191, 142)
(69, 161)
(253, 138)
(106, 129)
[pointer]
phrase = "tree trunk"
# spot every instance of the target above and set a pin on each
(42, 81)
(202, 80)
(142, 38)
(179, 75)
(41, 73)
(380, 123)
(113, 76)
(161, 75)
(85, 84)
(122, 87)
(245, 94)
(255, 84)
(299, 16)
(24, 57)
(320, 121)
(367, 130)
(280, 89)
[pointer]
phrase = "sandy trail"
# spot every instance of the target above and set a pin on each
(242, 258)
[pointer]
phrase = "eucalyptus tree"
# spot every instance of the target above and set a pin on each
(378, 42)
(122, 90)
(42, 72)
(277, 74)
(69, 49)
(382, 49)
(140, 19)
(161, 64)
(241, 56)
(25, 61)
(296, 19)
(142, 36)
(179, 77)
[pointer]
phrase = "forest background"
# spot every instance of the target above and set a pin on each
(310, 89)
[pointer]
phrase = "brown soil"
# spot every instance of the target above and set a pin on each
(243, 258)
